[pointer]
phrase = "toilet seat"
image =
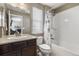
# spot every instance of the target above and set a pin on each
(45, 49)
(44, 46)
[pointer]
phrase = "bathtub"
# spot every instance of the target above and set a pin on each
(61, 51)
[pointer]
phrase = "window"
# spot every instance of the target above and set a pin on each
(37, 23)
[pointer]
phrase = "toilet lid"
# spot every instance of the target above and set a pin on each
(44, 46)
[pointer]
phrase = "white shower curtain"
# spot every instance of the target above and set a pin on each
(47, 27)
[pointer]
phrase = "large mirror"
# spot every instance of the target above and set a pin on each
(2, 21)
(13, 19)
(16, 22)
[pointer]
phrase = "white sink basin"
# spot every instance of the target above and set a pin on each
(17, 37)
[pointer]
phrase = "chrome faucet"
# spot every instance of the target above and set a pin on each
(17, 33)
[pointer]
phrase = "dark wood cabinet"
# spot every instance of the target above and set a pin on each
(22, 48)
(30, 51)
(13, 53)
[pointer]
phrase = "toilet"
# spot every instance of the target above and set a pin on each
(43, 48)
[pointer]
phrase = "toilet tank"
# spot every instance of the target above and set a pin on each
(39, 40)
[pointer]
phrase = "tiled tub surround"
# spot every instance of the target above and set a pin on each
(67, 29)
(61, 51)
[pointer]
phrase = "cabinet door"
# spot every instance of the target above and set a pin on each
(29, 51)
(13, 53)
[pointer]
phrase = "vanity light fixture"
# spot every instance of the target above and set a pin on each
(19, 5)
(22, 6)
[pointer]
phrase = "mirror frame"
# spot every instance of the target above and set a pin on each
(11, 14)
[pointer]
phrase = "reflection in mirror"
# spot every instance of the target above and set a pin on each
(0, 18)
(15, 24)
(0, 25)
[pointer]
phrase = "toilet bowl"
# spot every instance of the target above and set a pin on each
(45, 48)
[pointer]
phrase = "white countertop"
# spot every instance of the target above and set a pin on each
(6, 40)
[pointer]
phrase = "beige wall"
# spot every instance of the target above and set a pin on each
(27, 24)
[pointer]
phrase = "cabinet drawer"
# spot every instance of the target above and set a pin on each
(31, 42)
(30, 51)
(13, 53)
(5, 48)
(18, 45)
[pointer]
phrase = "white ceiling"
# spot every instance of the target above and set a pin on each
(53, 5)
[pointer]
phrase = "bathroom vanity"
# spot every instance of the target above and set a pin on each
(24, 45)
